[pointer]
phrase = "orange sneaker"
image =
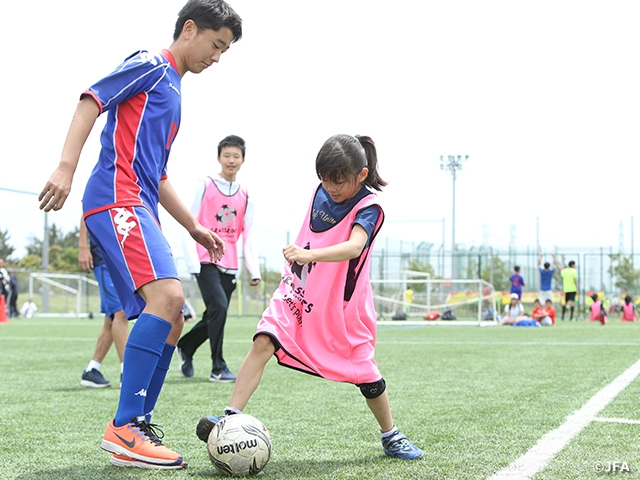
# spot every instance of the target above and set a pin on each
(131, 440)
(123, 461)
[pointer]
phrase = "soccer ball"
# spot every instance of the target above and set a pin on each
(239, 445)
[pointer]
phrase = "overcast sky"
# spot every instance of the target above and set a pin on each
(543, 97)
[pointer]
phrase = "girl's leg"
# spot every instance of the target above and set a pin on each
(394, 443)
(251, 371)
(380, 408)
(249, 377)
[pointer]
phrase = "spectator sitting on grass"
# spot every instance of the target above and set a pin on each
(541, 314)
(513, 311)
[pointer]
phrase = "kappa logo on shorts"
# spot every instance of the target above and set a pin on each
(123, 226)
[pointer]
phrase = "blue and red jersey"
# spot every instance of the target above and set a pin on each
(517, 282)
(142, 99)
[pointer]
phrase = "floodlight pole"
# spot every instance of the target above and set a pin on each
(453, 163)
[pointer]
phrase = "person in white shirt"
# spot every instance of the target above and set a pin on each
(223, 206)
(513, 311)
(29, 309)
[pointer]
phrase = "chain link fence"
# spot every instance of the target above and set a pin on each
(599, 270)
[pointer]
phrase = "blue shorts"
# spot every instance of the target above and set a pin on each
(109, 301)
(135, 252)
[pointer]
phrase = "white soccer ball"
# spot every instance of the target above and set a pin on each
(239, 445)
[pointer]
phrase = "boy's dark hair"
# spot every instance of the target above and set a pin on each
(209, 14)
(342, 157)
(547, 265)
(516, 268)
(232, 141)
(594, 297)
(572, 264)
(548, 301)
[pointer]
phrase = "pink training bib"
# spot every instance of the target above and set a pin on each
(322, 314)
(224, 215)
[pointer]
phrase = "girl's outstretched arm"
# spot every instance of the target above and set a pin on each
(335, 253)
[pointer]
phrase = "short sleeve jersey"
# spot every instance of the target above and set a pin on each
(327, 213)
(568, 279)
(516, 281)
(142, 99)
(545, 278)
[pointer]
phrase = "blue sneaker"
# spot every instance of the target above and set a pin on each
(222, 376)
(205, 425)
(398, 446)
(186, 363)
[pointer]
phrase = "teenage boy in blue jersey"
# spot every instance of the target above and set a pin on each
(546, 277)
(142, 97)
(517, 282)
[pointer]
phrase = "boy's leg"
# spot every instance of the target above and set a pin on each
(91, 376)
(143, 271)
(157, 380)
(146, 345)
(216, 300)
(105, 339)
(120, 332)
(216, 289)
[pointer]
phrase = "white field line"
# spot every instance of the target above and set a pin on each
(539, 456)
(616, 420)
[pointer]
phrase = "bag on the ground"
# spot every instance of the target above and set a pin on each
(432, 316)
(448, 315)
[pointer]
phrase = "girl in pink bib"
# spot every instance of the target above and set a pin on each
(628, 311)
(321, 320)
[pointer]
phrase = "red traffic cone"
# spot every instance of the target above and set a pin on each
(3, 310)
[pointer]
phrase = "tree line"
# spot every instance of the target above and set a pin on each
(63, 251)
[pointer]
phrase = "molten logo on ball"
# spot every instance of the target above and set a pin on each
(236, 447)
(239, 445)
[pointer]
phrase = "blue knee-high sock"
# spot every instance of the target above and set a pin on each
(153, 392)
(144, 348)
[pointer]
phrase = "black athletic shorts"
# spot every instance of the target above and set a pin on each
(569, 296)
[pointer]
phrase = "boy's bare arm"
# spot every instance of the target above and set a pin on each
(57, 189)
(171, 202)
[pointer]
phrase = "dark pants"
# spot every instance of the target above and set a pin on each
(13, 308)
(216, 289)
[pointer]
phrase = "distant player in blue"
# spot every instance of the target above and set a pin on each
(517, 282)
(546, 276)
(142, 98)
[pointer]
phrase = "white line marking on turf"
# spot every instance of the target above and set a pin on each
(539, 456)
(616, 420)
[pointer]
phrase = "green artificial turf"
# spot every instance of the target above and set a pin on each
(474, 399)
